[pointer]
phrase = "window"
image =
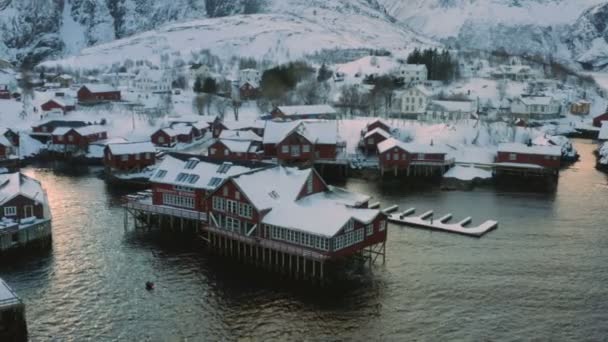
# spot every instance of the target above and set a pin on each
(226, 152)
(512, 156)
(245, 210)
(161, 173)
(191, 164)
(148, 155)
(285, 149)
(350, 225)
(193, 179)
(124, 157)
(295, 150)
(178, 201)
(369, 229)
(59, 138)
(10, 211)
(395, 156)
(218, 203)
(211, 151)
(70, 138)
(237, 195)
(181, 177)
(214, 181)
(305, 148)
(382, 225)
(231, 206)
(225, 166)
(233, 224)
(161, 140)
(388, 156)
(309, 185)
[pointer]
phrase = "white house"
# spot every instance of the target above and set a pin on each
(413, 72)
(450, 110)
(514, 72)
(410, 102)
(535, 107)
(153, 81)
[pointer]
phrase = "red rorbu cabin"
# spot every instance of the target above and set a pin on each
(301, 141)
(397, 155)
(129, 156)
(78, 137)
(372, 138)
(63, 105)
(98, 93)
(515, 155)
(234, 150)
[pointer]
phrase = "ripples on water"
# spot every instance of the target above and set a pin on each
(541, 275)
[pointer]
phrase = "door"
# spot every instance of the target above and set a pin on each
(28, 211)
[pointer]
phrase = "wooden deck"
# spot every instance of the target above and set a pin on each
(426, 221)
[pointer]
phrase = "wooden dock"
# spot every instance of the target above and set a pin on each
(426, 221)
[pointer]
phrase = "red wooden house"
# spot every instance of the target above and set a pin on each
(98, 93)
(378, 123)
(296, 208)
(78, 137)
(234, 149)
(47, 127)
(515, 155)
(129, 156)
(179, 133)
(397, 155)
(301, 141)
(597, 121)
(372, 138)
(21, 197)
(60, 104)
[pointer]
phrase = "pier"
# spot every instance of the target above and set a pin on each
(426, 221)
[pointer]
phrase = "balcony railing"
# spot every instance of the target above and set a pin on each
(164, 210)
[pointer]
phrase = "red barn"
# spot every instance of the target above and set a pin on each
(304, 112)
(98, 93)
(297, 141)
(397, 155)
(129, 156)
(78, 137)
(63, 105)
(234, 150)
(597, 121)
(522, 156)
(21, 197)
(372, 138)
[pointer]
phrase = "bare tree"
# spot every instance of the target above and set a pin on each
(198, 103)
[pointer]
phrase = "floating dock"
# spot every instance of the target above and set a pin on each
(426, 221)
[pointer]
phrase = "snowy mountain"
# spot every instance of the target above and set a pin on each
(562, 29)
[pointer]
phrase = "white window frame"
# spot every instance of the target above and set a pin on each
(10, 211)
(285, 149)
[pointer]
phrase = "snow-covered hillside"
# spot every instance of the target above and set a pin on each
(276, 37)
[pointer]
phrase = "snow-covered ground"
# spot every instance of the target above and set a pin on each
(467, 173)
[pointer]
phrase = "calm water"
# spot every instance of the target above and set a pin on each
(542, 275)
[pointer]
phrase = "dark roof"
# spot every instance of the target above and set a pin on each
(245, 163)
(62, 123)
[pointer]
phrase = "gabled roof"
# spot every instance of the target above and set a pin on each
(525, 149)
(84, 130)
(119, 149)
(603, 135)
(14, 184)
(177, 129)
(317, 132)
(410, 147)
(377, 130)
(239, 135)
(536, 100)
(237, 146)
(307, 110)
(380, 121)
(62, 102)
(100, 88)
(207, 170)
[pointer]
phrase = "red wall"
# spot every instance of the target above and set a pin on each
(79, 140)
(85, 95)
(317, 186)
(158, 189)
(20, 202)
(400, 164)
(377, 237)
(168, 139)
(232, 189)
(50, 105)
(2, 151)
(324, 151)
(537, 159)
(377, 139)
(247, 91)
(116, 162)
(220, 153)
(5, 95)
(597, 121)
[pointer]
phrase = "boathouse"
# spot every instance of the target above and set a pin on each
(92, 93)
(228, 149)
(302, 141)
(303, 112)
(129, 156)
(13, 325)
(414, 159)
(79, 137)
(521, 160)
(24, 212)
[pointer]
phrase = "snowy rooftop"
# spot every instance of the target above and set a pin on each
(238, 146)
(377, 130)
(199, 172)
(603, 135)
(66, 101)
(240, 135)
(100, 88)
(307, 110)
(13, 184)
(536, 100)
(320, 132)
(85, 130)
(410, 147)
(177, 129)
(525, 149)
(118, 149)
(456, 106)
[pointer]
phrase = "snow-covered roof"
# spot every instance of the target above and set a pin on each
(177, 129)
(410, 147)
(456, 106)
(7, 296)
(377, 130)
(100, 88)
(241, 125)
(318, 132)
(536, 100)
(211, 173)
(66, 101)
(238, 146)
(603, 135)
(378, 120)
(14, 184)
(85, 130)
(525, 149)
(65, 77)
(118, 149)
(307, 110)
(239, 135)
